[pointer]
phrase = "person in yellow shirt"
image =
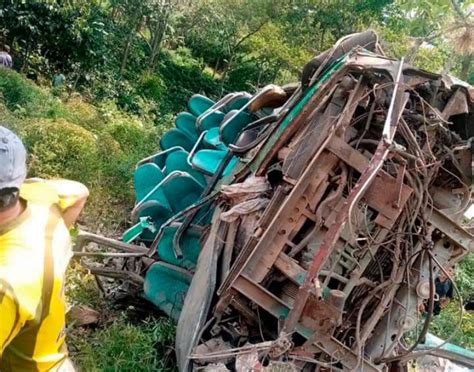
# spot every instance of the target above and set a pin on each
(35, 249)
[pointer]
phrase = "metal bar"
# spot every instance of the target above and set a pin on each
(278, 309)
(84, 238)
(356, 193)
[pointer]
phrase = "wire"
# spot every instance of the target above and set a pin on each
(415, 355)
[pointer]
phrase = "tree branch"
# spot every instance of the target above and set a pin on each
(250, 34)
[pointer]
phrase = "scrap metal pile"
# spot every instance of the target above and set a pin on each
(306, 224)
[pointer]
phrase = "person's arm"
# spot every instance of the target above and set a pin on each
(72, 199)
(10, 322)
(71, 214)
(449, 296)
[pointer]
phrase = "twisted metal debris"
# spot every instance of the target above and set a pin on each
(342, 206)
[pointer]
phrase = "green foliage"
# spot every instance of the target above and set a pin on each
(445, 324)
(184, 76)
(61, 149)
(464, 277)
(123, 346)
(98, 146)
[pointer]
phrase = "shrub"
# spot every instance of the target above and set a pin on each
(61, 149)
(184, 76)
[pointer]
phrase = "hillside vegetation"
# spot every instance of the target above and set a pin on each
(131, 65)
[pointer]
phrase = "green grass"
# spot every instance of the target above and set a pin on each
(123, 346)
(119, 342)
(445, 324)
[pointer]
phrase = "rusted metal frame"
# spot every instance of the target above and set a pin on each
(404, 311)
(236, 267)
(283, 133)
(250, 247)
(228, 249)
(309, 139)
(319, 131)
(452, 230)
(313, 217)
(261, 296)
(277, 237)
(237, 301)
(266, 252)
(400, 177)
(290, 268)
(275, 203)
(279, 309)
(129, 276)
(329, 220)
(346, 356)
(365, 260)
(84, 238)
(300, 221)
(395, 110)
(374, 198)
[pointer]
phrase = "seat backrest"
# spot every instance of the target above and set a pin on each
(210, 119)
(190, 248)
(230, 128)
(146, 177)
(175, 137)
(181, 190)
(186, 122)
(178, 161)
(198, 104)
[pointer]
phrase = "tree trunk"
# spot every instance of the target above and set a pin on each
(158, 36)
(465, 66)
(136, 24)
(321, 40)
(216, 67)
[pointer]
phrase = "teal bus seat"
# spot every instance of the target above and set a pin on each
(209, 119)
(186, 123)
(233, 125)
(174, 193)
(190, 245)
(146, 177)
(238, 101)
(178, 161)
(150, 215)
(175, 137)
(145, 226)
(208, 161)
(181, 190)
(198, 104)
(211, 139)
(166, 287)
(159, 158)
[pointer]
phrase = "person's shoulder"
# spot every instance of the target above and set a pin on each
(38, 191)
(62, 192)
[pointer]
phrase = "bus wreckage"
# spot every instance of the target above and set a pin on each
(301, 227)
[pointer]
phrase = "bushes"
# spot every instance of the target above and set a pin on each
(25, 98)
(98, 146)
(61, 149)
(184, 76)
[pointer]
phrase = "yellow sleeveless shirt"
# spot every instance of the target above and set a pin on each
(35, 250)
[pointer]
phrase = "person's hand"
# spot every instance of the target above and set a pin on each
(444, 302)
(421, 307)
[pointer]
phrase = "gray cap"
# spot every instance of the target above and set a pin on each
(12, 160)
